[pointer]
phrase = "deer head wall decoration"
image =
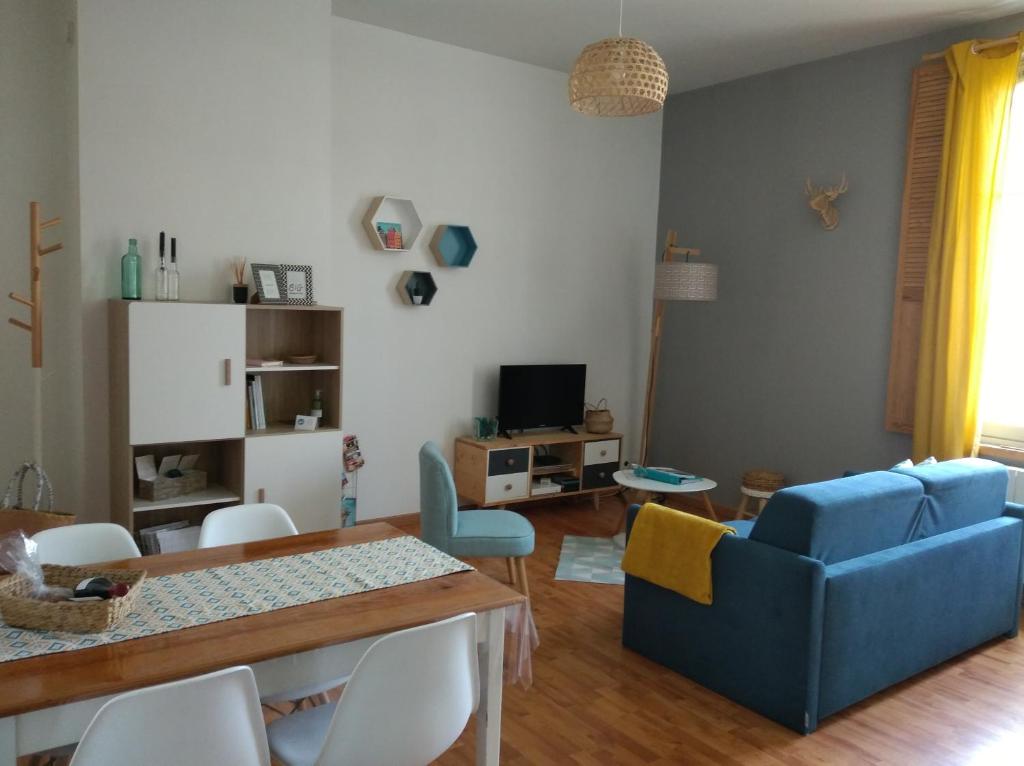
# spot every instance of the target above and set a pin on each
(820, 199)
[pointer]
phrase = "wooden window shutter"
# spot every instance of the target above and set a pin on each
(925, 133)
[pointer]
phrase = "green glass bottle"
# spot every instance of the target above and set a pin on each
(131, 273)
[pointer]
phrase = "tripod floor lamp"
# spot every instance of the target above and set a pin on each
(674, 280)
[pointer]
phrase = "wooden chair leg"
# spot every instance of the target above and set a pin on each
(741, 509)
(510, 563)
(524, 585)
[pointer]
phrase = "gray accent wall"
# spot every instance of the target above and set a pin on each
(788, 369)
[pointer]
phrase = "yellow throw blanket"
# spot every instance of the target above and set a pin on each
(672, 549)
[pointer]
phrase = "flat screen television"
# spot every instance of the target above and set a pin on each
(541, 395)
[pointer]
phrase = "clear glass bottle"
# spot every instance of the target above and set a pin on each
(173, 277)
(161, 280)
(131, 273)
(317, 409)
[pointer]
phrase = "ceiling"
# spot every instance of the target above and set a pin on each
(702, 41)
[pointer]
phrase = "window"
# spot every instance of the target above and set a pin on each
(1002, 394)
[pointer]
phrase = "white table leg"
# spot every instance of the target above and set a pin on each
(8, 742)
(488, 714)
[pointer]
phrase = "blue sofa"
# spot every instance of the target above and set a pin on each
(843, 588)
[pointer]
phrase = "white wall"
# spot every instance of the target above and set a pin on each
(209, 120)
(564, 209)
(262, 129)
(36, 163)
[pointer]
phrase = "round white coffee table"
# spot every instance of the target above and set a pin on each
(646, 489)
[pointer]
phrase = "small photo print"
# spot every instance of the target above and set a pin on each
(296, 285)
(268, 279)
(390, 235)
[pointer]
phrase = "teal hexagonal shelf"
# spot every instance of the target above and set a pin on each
(453, 245)
(416, 288)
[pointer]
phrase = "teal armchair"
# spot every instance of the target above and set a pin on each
(478, 533)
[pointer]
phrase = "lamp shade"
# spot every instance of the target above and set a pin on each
(618, 77)
(685, 281)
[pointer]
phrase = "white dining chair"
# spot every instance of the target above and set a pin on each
(210, 720)
(245, 524)
(79, 544)
(408, 700)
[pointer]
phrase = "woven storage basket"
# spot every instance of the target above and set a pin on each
(14, 516)
(763, 481)
(598, 420)
(19, 610)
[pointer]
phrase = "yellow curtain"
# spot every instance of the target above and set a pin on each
(956, 287)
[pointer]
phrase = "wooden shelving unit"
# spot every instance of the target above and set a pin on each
(178, 386)
(283, 331)
(213, 495)
(387, 209)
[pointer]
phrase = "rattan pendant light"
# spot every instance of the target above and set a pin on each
(618, 77)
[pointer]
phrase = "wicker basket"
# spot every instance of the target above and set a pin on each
(19, 610)
(763, 480)
(13, 514)
(598, 420)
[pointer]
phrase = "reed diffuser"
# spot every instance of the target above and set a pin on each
(240, 290)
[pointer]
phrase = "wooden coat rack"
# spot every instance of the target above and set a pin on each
(35, 260)
(35, 304)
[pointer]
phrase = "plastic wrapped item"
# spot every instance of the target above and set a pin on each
(19, 556)
(520, 640)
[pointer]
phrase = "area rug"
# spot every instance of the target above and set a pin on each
(590, 559)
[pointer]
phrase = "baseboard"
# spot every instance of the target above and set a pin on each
(693, 503)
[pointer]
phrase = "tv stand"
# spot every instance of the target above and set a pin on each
(503, 471)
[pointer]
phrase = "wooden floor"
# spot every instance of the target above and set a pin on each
(594, 702)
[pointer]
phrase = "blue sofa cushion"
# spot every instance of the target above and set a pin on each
(958, 493)
(742, 526)
(841, 519)
(894, 613)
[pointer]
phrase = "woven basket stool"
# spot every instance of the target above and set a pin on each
(757, 487)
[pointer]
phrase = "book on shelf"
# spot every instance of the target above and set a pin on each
(149, 536)
(264, 363)
(179, 539)
(257, 413)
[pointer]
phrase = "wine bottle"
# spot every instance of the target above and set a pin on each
(100, 588)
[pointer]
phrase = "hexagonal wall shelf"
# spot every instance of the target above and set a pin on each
(453, 245)
(392, 223)
(416, 288)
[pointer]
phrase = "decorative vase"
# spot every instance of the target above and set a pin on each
(240, 293)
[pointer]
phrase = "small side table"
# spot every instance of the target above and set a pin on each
(758, 496)
(645, 490)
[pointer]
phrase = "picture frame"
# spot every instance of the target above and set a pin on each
(269, 281)
(297, 281)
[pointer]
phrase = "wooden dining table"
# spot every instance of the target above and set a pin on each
(47, 701)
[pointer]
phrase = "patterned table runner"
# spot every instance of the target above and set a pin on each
(187, 599)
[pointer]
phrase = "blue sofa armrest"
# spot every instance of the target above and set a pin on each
(759, 643)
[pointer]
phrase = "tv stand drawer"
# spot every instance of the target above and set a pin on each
(597, 476)
(604, 451)
(514, 486)
(503, 461)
